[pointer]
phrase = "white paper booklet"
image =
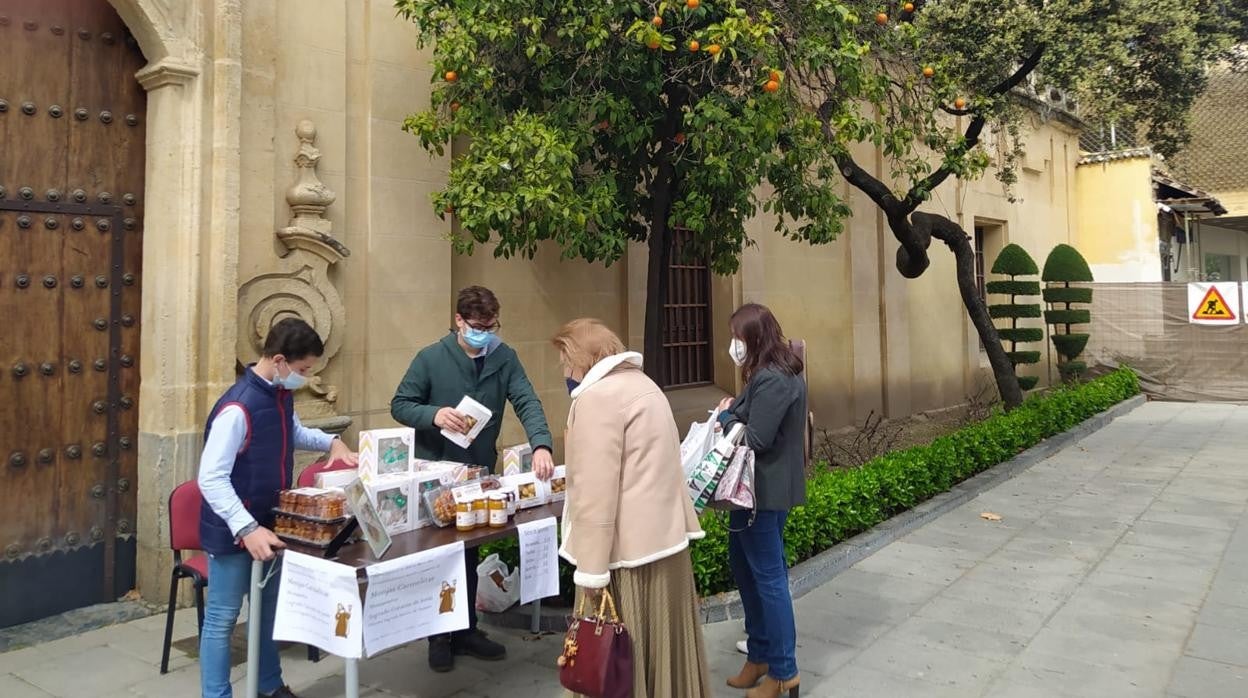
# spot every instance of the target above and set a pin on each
(478, 416)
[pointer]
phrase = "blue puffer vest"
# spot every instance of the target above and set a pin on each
(265, 463)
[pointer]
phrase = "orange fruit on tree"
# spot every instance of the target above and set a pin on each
(881, 18)
(657, 21)
(959, 103)
(908, 7)
(928, 71)
(679, 138)
(713, 49)
(694, 46)
(775, 76)
(454, 106)
(771, 86)
(692, 4)
(652, 44)
(451, 76)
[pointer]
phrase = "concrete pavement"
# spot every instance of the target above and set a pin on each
(1119, 567)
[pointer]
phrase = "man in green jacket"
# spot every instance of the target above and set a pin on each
(472, 361)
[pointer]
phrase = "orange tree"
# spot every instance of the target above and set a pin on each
(595, 124)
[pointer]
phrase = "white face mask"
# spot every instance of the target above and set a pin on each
(737, 351)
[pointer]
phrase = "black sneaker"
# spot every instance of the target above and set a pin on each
(441, 654)
(475, 643)
(283, 692)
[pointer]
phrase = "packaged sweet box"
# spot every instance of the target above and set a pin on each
(386, 452)
(392, 497)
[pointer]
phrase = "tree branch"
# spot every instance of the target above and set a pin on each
(912, 259)
(918, 193)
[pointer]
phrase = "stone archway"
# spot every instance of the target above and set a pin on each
(191, 250)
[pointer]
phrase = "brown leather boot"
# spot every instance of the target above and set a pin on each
(749, 675)
(771, 687)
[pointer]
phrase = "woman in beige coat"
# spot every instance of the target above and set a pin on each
(628, 520)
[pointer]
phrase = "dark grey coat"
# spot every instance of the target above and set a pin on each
(772, 407)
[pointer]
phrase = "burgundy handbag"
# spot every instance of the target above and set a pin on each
(597, 659)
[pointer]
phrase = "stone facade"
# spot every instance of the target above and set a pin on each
(279, 181)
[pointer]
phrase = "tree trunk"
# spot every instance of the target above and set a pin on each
(959, 243)
(659, 259)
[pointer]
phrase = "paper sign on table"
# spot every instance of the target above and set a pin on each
(478, 416)
(415, 596)
(318, 604)
(539, 560)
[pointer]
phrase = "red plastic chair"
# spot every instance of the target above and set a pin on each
(308, 477)
(184, 504)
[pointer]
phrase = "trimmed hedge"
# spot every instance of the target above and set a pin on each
(1013, 261)
(1011, 310)
(1021, 334)
(843, 503)
(1073, 294)
(1068, 317)
(1023, 357)
(1013, 288)
(1071, 344)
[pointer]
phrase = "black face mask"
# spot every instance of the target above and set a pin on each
(572, 384)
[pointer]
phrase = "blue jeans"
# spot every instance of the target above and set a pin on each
(756, 556)
(229, 580)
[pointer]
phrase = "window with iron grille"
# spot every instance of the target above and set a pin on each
(687, 353)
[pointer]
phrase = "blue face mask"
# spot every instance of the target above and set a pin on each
(291, 381)
(477, 339)
(573, 384)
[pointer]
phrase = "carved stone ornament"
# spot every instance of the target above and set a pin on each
(301, 287)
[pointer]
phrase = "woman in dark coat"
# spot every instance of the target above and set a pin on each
(772, 410)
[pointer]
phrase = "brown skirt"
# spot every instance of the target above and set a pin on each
(658, 603)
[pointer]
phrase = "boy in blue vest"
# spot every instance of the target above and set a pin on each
(249, 448)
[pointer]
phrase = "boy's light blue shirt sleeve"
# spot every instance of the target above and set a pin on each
(311, 439)
(225, 440)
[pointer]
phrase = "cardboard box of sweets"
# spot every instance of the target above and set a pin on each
(386, 452)
(391, 496)
(517, 459)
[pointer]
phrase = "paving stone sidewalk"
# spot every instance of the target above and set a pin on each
(1119, 568)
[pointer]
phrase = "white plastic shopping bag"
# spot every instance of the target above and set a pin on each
(704, 479)
(498, 588)
(698, 442)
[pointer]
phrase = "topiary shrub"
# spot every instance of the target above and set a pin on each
(1015, 262)
(1064, 266)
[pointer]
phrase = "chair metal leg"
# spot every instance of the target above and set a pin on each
(199, 609)
(173, 603)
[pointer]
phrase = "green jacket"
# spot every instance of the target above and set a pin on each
(441, 375)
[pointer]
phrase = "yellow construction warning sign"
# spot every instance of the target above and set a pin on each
(1214, 307)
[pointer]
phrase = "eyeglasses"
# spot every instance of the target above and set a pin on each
(480, 327)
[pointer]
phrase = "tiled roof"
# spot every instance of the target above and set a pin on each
(1111, 155)
(1216, 159)
(1187, 193)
